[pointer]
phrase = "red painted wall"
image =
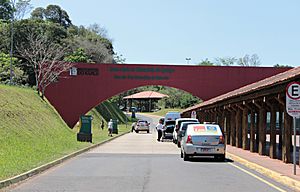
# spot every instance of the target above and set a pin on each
(73, 96)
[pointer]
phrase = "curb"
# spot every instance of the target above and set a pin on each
(38, 170)
(292, 183)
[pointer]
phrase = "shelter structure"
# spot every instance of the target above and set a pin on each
(254, 117)
(145, 100)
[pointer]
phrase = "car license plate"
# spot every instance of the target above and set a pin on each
(204, 149)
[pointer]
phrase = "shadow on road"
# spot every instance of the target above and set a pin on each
(206, 159)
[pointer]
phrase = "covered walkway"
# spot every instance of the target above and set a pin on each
(254, 117)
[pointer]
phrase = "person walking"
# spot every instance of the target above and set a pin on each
(102, 124)
(110, 127)
(159, 128)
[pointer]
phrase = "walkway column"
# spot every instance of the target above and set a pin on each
(252, 131)
(262, 130)
(245, 129)
(232, 128)
(286, 147)
(238, 126)
(228, 127)
(257, 131)
(273, 133)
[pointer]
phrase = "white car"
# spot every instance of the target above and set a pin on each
(178, 124)
(203, 140)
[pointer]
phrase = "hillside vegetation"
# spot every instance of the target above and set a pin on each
(32, 133)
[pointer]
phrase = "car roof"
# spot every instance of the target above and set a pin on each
(186, 119)
(204, 129)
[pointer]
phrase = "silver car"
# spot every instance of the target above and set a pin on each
(203, 140)
(142, 125)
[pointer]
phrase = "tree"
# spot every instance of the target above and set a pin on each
(18, 77)
(46, 57)
(95, 49)
(280, 65)
(119, 59)
(53, 13)
(206, 62)
(22, 7)
(226, 61)
(78, 56)
(6, 10)
(248, 60)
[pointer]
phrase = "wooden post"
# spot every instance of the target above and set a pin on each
(228, 127)
(232, 128)
(262, 130)
(238, 126)
(286, 147)
(273, 133)
(252, 131)
(245, 128)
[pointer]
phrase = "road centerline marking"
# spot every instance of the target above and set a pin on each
(257, 177)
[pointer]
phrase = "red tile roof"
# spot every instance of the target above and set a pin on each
(268, 82)
(146, 95)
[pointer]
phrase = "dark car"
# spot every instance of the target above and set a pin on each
(168, 129)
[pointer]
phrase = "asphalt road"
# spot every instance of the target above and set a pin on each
(137, 162)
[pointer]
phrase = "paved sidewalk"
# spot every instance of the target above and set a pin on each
(273, 168)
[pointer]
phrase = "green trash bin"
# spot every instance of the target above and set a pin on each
(115, 126)
(85, 132)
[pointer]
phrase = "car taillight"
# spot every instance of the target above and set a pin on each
(221, 140)
(189, 139)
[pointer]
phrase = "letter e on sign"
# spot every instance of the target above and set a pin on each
(293, 99)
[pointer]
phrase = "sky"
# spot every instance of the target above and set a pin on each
(169, 31)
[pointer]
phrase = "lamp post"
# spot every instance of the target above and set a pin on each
(12, 41)
(188, 60)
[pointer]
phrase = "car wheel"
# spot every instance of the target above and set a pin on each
(148, 131)
(137, 131)
(220, 158)
(181, 154)
(185, 157)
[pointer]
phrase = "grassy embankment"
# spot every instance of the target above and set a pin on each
(163, 112)
(32, 133)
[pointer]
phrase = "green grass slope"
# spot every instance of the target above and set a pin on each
(110, 111)
(32, 133)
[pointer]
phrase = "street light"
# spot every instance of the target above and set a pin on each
(12, 41)
(188, 60)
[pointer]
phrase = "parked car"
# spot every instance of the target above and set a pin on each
(172, 116)
(182, 130)
(203, 140)
(142, 125)
(168, 128)
(178, 124)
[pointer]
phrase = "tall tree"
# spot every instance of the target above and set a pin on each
(46, 57)
(53, 13)
(6, 10)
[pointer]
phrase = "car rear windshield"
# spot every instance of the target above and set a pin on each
(170, 122)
